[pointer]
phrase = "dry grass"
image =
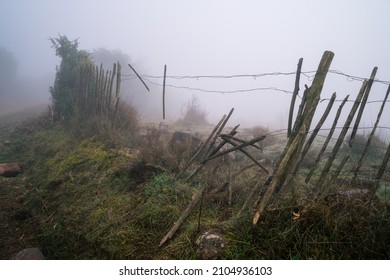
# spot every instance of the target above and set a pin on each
(99, 201)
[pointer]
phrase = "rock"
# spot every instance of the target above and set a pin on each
(10, 169)
(211, 245)
(183, 139)
(29, 254)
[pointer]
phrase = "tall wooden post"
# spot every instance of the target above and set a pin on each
(291, 152)
(163, 97)
(294, 96)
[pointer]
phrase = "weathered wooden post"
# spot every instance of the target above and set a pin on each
(308, 143)
(328, 138)
(163, 97)
(139, 77)
(365, 151)
(291, 152)
(340, 140)
(362, 106)
(294, 96)
(117, 90)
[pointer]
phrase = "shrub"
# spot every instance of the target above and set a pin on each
(65, 83)
(193, 114)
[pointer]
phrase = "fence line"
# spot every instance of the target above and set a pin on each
(308, 74)
(349, 77)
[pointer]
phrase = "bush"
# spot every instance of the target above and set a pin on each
(87, 97)
(193, 114)
(65, 83)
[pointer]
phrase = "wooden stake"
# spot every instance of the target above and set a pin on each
(220, 130)
(364, 101)
(212, 153)
(308, 144)
(183, 216)
(201, 148)
(294, 96)
(117, 90)
(325, 145)
(291, 151)
(239, 140)
(139, 77)
(163, 97)
(382, 169)
(257, 139)
(340, 140)
(365, 151)
(246, 153)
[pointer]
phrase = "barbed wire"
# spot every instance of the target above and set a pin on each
(283, 131)
(220, 91)
(307, 74)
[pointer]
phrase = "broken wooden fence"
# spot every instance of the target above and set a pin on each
(286, 168)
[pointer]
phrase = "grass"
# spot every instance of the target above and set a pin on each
(97, 201)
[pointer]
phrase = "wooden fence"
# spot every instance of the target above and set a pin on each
(281, 178)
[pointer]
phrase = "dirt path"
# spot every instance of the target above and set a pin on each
(18, 228)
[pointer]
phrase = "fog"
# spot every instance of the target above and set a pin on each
(197, 38)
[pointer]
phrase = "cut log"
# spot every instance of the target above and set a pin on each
(11, 169)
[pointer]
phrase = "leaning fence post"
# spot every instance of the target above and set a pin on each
(309, 142)
(291, 152)
(359, 163)
(340, 140)
(139, 77)
(294, 96)
(328, 138)
(364, 101)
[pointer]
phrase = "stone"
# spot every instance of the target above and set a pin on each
(10, 169)
(7, 143)
(211, 245)
(30, 254)
(183, 139)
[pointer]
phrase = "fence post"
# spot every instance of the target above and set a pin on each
(325, 145)
(340, 140)
(294, 96)
(364, 101)
(163, 97)
(359, 163)
(291, 152)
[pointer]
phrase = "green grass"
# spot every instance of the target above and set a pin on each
(95, 201)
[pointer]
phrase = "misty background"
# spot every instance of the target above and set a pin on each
(202, 38)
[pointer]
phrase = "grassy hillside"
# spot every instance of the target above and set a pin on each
(88, 197)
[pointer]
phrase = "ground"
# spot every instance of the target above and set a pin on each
(83, 198)
(18, 228)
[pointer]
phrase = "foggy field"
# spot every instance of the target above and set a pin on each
(195, 130)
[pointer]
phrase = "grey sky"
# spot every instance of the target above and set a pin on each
(212, 38)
